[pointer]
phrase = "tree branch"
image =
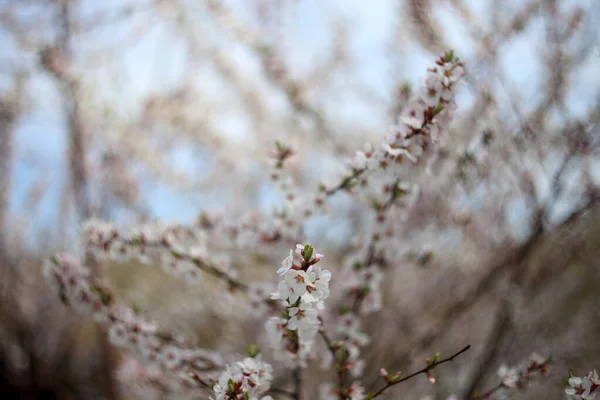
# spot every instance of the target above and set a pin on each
(422, 371)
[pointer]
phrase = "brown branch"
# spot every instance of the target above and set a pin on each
(332, 349)
(421, 371)
(345, 182)
(501, 385)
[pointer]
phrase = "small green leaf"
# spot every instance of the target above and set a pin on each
(340, 356)
(399, 192)
(405, 89)
(136, 308)
(345, 309)
(105, 298)
(396, 377)
(279, 146)
(571, 373)
(437, 109)
(375, 204)
(308, 252)
(449, 56)
(252, 350)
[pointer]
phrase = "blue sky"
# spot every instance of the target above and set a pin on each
(156, 63)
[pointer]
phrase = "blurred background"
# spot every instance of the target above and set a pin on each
(141, 110)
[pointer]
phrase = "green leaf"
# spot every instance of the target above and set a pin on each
(252, 350)
(308, 252)
(399, 192)
(105, 298)
(396, 377)
(449, 56)
(405, 89)
(280, 147)
(375, 204)
(571, 373)
(137, 310)
(345, 309)
(437, 109)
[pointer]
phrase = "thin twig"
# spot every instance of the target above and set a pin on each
(422, 371)
(491, 391)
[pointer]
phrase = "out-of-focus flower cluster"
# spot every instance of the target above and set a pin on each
(420, 124)
(586, 388)
(354, 392)
(247, 379)
(376, 175)
(159, 349)
(519, 376)
(181, 252)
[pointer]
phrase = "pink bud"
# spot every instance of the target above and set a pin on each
(430, 377)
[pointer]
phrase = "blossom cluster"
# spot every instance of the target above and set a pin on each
(348, 328)
(420, 124)
(365, 283)
(248, 379)
(376, 175)
(159, 349)
(182, 252)
(354, 392)
(586, 388)
(519, 376)
(288, 220)
(303, 288)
